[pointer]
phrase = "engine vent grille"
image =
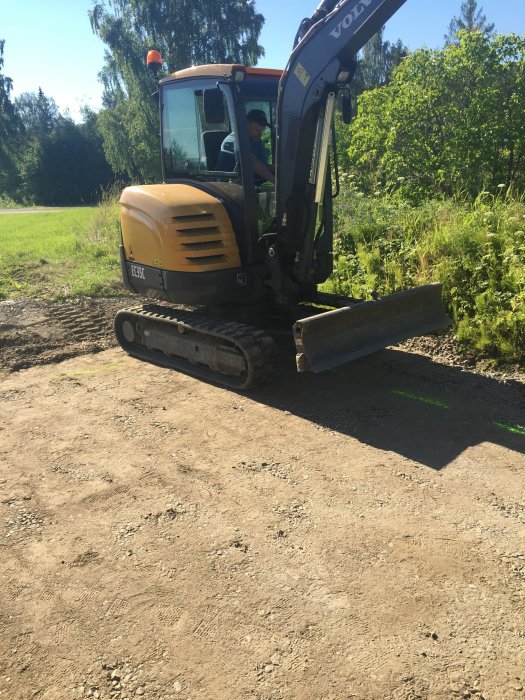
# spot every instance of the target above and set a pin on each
(193, 217)
(205, 241)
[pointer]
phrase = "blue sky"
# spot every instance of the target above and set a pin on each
(49, 43)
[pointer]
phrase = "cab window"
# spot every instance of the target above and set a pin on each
(268, 137)
(191, 145)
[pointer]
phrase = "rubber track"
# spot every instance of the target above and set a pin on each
(258, 348)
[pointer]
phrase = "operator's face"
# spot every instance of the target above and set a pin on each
(255, 130)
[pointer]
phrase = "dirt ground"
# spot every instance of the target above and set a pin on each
(358, 534)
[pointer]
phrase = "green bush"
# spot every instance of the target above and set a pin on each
(450, 121)
(7, 203)
(477, 250)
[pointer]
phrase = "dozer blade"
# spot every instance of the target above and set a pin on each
(332, 338)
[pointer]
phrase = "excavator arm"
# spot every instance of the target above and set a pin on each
(321, 64)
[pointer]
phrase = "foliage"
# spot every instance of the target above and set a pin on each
(38, 113)
(9, 131)
(476, 250)
(63, 163)
(130, 133)
(7, 202)
(377, 62)
(212, 31)
(451, 121)
(103, 229)
(471, 19)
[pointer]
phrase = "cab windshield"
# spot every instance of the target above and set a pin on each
(191, 145)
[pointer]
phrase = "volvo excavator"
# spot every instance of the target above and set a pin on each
(230, 260)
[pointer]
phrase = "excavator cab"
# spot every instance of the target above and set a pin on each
(212, 210)
(204, 120)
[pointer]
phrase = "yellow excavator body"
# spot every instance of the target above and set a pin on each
(177, 227)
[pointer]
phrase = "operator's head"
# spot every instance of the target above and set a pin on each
(256, 123)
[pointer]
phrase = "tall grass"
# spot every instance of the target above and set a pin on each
(476, 250)
(7, 203)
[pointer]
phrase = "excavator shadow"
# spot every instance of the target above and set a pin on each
(405, 403)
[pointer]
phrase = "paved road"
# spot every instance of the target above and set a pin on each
(41, 210)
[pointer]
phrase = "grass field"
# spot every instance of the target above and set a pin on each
(60, 254)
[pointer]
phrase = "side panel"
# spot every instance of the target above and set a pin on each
(236, 286)
(177, 227)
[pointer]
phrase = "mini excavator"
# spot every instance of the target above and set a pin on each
(228, 259)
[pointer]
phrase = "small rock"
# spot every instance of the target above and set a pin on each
(268, 668)
(139, 691)
(177, 687)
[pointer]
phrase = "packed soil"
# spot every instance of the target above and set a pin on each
(356, 534)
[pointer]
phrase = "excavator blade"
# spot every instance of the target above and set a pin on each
(332, 338)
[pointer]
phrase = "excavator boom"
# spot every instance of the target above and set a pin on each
(321, 63)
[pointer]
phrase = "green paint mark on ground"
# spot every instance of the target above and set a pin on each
(516, 429)
(422, 399)
(94, 370)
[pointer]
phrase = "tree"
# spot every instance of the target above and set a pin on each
(9, 132)
(58, 161)
(377, 62)
(186, 33)
(375, 67)
(451, 121)
(470, 19)
(38, 113)
(66, 166)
